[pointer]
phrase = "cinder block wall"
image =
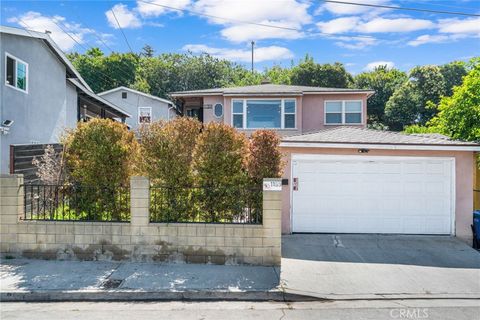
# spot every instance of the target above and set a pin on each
(139, 240)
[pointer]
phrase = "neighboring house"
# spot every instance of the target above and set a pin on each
(144, 108)
(342, 177)
(41, 93)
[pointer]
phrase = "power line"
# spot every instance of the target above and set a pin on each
(403, 8)
(121, 29)
(253, 23)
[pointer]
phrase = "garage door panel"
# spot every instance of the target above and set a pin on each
(372, 195)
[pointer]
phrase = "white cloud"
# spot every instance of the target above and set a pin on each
(339, 25)
(379, 25)
(125, 17)
(348, 9)
(261, 54)
(156, 9)
(466, 26)
(356, 43)
(372, 65)
(285, 13)
(436, 38)
(37, 22)
(376, 25)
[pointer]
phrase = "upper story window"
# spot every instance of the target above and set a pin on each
(144, 115)
(16, 73)
(264, 113)
(343, 112)
(124, 95)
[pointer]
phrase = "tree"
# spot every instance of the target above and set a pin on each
(147, 51)
(309, 73)
(459, 115)
(453, 73)
(384, 82)
(414, 101)
(278, 75)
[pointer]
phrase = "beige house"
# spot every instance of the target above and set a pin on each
(341, 177)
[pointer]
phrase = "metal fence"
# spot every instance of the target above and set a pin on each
(225, 204)
(76, 203)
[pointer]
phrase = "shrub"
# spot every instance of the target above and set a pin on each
(101, 152)
(167, 150)
(265, 159)
(100, 156)
(166, 157)
(50, 167)
(219, 163)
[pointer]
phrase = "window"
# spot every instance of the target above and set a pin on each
(16, 73)
(237, 114)
(218, 110)
(144, 115)
(264, 113)
(124, 95)
(343, 112)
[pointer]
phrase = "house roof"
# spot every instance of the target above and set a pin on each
(96, 97)
(267, 89)
(122, 88)
(347, 136)
(52, 45)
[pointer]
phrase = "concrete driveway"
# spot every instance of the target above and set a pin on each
(344, 266)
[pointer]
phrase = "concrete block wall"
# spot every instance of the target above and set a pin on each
(139, 240)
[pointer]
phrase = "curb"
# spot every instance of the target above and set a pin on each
(130, 295)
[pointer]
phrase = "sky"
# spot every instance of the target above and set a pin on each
(357, 36)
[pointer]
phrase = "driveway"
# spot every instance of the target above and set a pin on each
(346, 266)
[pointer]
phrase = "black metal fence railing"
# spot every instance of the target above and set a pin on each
(232, 204)
(76, 203)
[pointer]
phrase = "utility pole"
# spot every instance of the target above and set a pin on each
(253, 44)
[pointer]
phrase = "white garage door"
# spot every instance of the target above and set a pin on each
(366, 194)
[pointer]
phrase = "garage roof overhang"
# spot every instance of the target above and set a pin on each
(382, 146)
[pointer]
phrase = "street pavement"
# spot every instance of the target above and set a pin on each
(358, 310)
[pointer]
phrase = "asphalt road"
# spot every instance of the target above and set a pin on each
(366, 309)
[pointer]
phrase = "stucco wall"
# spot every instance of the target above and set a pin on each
(138, 240)
(464, 162)
(134, 101)
(310, 110)
(47, 109)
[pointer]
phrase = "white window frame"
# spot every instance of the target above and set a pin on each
(282, 107)
(343, 113)
(220, 116)
(15, 68)
(151, 115)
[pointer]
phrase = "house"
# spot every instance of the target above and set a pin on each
(341, 177)
(42, 94)
(144, 108)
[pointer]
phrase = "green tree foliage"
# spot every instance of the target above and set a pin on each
(453, 74)
(309, 73)
(265, 158)
(101, 156)
(103, 72)
(412, 102)
(459, 115)
(219, 163)
(167, 149)
(384, 82)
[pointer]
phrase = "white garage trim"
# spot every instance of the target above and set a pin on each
(446, 147)
(299, 157)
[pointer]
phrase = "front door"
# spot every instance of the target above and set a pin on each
(196, 113)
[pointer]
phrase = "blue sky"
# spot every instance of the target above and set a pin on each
(359, 37)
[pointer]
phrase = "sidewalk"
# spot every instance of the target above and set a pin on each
(23, 279)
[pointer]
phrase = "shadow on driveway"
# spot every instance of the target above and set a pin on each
(433, 251)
